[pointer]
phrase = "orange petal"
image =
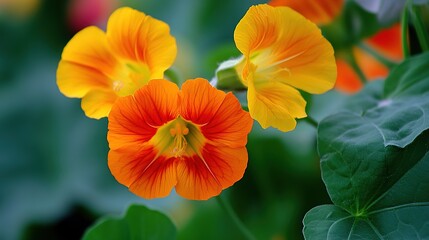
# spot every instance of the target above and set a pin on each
(140, 38)
(372, 68)
(388, 42)
(203, 177)
(134, 119)
(230, 125)
(86, 64)
(199, 101)
(347, 80)
(138, 168)
(318, 11)
(97, 103)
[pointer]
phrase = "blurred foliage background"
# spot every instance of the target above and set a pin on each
(54, 179)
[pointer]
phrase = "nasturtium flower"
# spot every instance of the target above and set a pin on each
(282, 52)
(318, 11)
(100, 67)
(387, 43)
(192, 139)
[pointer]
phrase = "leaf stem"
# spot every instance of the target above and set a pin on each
(422, 34)
(350, 57)
(404, 32)
(311, 121)
(384, 60)
(230, 212)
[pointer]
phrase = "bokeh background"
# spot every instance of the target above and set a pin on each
(54, 179)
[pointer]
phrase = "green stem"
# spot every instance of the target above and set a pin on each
(311, 121)
(228, 209)
(384, 60)
(350, 57)
(422, 34)
(404, 32)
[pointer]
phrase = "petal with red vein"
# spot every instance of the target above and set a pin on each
(230, 125)
(202, 178)
(199, 101)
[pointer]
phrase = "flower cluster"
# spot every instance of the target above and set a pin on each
(193, 139)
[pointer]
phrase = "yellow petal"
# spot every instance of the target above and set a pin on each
(275, 104)
(284, 46)
(137, 37)
(86, 64)
(97, 103)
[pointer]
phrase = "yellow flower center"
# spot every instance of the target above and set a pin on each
(178, 138)
(130, 77)
(265, 65)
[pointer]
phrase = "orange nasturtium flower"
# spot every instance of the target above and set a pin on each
(318, 11)
(387, 42)
(283, 52)
(100, 67)
(191, 139)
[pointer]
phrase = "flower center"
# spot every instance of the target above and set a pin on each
(178, 132)
(178, 138)
(129, 78)
(265, 64)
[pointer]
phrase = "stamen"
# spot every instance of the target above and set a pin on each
(179, 143)
(185, 131)
(173, 132)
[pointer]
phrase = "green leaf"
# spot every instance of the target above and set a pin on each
(366, 99)
(374, 161)
(139, 222)
(377, 191)
(356, 167)
(399, 112)
(409, 78)
(402, 222)
(397, 121)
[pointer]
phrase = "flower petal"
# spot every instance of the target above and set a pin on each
(285, 46)
(230, 125)
(258, 29)
(347, 80)
(371, 67)
(140, 38)
(134, 119)
(145, 174)
(86, 64)
(76, 80)
(97, 103)
(275, 104)
(203, 177)
(318, 11)
(388, 42)
(199, 101)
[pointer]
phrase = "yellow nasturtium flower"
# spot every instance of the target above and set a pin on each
(282, 52)
(101, 66)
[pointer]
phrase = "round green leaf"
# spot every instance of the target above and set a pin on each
(409, 78)
(139, 222)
